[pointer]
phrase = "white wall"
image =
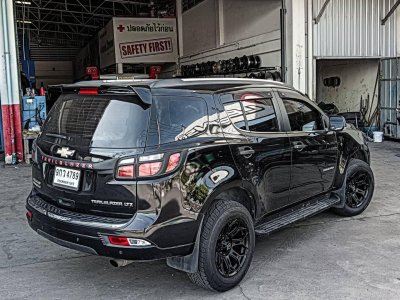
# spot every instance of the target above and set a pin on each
(199, 28)
(53, 72)
(296, 45)
(244, 19)
(358, 78)
(223, 29)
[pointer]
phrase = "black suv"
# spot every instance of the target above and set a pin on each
(190, 170)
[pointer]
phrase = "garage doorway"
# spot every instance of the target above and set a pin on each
(390, 97)
(351, 86)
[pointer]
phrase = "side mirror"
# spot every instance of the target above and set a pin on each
(337, 123)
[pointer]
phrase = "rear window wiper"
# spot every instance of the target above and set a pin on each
(60, 136)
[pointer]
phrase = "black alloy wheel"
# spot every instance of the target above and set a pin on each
(245, 62)
(238, 63)
(360, 185)
(276, 76)
(252, 64)
(269, 76)
(357, 189)
(226, 246)
(230, 65)
(232, 247)
(224, 65)
(257, 61)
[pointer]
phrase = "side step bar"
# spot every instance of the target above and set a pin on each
(294, 214)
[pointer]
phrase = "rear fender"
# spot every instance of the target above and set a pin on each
(351, 145)
(189, 263)
(229, 191)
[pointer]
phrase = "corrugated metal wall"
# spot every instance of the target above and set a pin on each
(352, 28)
(390, 97)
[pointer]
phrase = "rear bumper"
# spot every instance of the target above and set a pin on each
(53, 225)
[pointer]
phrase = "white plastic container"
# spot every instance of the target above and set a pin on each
(378, 136)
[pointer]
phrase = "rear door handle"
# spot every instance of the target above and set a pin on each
(246, 151)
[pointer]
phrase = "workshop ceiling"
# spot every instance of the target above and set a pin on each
(58, 29)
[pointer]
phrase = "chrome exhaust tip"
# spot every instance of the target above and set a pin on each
(117, 263)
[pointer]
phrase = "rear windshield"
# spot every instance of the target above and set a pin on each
(180, 117)
(98, 121)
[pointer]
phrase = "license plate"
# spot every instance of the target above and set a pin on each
(66, 178)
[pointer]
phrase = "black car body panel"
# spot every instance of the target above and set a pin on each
(220, 156)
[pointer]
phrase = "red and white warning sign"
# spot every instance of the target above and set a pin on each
(138, 40)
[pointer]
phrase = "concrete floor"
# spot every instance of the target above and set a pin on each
(326, 257)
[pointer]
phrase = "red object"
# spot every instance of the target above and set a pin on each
(89, 91)
(126, 171)
(154, 71)
(118, 240)
(41, 91)
(249, 97)
(93, 72)
(173, 162)
(149, 169)
(29, 215)
(12, 129)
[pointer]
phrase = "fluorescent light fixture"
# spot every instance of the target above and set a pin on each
(23, 2)
(24, 21)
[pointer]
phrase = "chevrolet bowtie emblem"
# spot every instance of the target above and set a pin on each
(65, 152)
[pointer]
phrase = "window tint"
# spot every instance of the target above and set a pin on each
(98, 121)
(260, 115)
(302, 117)
(235, 113)
(252, 115)
(180, 117)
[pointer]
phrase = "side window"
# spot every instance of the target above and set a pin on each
(302, 117)
(235, 113)
(260, 115)
(180, 118)
(251, 112)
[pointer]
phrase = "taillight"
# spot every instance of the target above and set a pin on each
(126, 171)
(126, 168)
(124, 241)
(149, 169)
(147, 165)
(173, 162)
(118, 240)
(29, 215)
(89, 91)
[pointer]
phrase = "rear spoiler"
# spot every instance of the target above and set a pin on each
(143, 93)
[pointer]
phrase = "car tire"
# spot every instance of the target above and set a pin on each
(216, 246)
(359, 189)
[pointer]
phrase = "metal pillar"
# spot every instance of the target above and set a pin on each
(9, 85)
(296, 44)
(283, 40)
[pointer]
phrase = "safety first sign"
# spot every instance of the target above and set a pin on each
(143, 48)
(138, 40)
